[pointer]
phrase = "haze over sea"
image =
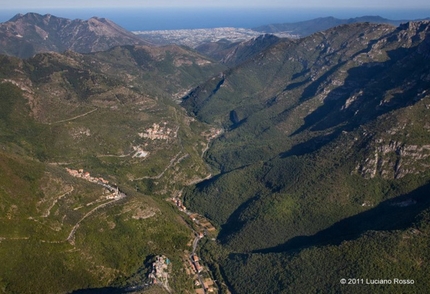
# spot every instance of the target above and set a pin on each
(185, 18)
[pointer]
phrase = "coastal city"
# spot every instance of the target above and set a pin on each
(195, 37)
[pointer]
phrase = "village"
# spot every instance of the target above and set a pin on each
(158, 132)
(161, 267)
(160, 272)
(203, 281)
(116, 194)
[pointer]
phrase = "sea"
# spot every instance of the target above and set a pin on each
(148, 19)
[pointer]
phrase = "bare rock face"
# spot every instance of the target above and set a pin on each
(25, 35)
(394, 160)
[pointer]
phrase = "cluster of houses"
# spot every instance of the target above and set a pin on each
(160, 270)
(202, 280)
(212, 133)
(178, 202)
(204, 284)
(116, 194)
(158, 132)
(86, 175)
(196, 263)
(207, 287)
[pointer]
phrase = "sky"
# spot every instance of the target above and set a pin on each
(411, 4)
(136, 15)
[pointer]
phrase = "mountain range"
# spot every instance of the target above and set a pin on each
(308, 27)
(227, 52)
(26, 35)
(309, 156)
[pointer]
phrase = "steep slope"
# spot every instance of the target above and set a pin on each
(318, 131)
(232, 54)
(25, 35)
(140, 81)
(167, 71)
(377, 261)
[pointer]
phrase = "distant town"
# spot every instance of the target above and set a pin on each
(195, 37)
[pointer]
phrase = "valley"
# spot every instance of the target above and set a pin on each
(255, 164)
(75, 144)
(289, 167)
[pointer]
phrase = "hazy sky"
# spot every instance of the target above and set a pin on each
(215, 3)
(146, 15)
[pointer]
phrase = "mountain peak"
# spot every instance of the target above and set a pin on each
(27, 34)
(30, 16)
(98, 19)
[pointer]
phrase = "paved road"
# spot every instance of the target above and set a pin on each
(195, 243)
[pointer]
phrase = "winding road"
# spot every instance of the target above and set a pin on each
(48, 212)
(70, 238)
(72, 118)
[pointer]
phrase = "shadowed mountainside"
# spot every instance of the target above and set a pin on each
(232, 54)
(321, 133)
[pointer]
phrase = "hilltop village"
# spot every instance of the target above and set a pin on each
(160, 271)
(158, 132)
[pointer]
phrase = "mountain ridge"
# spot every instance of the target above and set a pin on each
(27, 34)
(232, 54)
(308, 27)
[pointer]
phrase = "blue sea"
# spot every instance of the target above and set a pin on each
(145, 19)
